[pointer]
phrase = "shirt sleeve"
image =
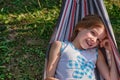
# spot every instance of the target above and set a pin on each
(64, 44)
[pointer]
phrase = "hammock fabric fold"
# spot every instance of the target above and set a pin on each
(73, 11)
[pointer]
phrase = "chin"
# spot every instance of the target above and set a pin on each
(84, 47)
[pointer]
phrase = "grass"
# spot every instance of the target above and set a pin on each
(25, 30)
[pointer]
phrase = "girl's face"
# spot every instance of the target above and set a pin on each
(90, 38)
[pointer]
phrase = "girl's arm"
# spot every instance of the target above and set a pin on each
(111, 72)
(54, 56)
(102, 66)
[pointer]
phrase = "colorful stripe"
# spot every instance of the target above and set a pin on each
(70, 16)
(72, 20)
(63, 20)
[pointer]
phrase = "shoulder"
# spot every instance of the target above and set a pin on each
(56, 44)
(61, 45)
(55, 48)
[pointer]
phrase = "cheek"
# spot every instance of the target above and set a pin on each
(103, 36)
(88, 35)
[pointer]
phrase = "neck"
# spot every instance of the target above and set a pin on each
(76, 44)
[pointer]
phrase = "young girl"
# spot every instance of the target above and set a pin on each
(76, 59)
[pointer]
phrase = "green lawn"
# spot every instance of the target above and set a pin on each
(26, 27)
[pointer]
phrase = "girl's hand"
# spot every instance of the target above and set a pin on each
(51, 78)
(106, 44)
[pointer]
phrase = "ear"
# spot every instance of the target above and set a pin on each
(80, 29)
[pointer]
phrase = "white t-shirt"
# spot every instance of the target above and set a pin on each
(75, 64)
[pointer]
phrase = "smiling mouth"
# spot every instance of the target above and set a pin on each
(88, 42)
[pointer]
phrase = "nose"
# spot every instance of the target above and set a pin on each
(94, 40)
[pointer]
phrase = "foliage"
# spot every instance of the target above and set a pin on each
(113, 11)
(25, 30)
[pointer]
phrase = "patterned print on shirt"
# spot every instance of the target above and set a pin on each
(81, 67)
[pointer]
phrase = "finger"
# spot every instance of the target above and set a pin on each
(101, 45)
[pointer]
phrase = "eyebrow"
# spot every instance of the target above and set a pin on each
(95, 31)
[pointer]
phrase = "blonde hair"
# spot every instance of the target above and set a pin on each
(89, 21)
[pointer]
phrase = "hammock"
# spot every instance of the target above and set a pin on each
(73, 11)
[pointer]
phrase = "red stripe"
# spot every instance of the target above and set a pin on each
(72, 20)
(85, 7)
(63, 20)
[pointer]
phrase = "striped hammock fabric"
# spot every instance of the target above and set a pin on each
(73, 11)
